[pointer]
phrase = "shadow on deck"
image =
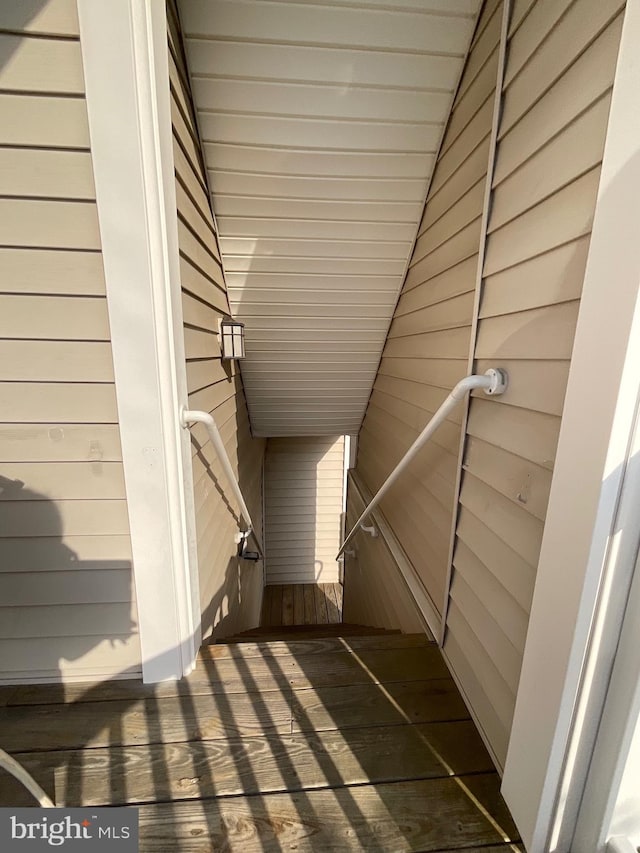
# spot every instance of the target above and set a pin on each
(334, 744)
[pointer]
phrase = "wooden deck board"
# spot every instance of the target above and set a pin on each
(309, 605)
(302, 604)
(322, 617)
(368, 705)
(334, 744)
(245, 668)
(253, 765)
(431, 815)
(322, 646)
(298, 604)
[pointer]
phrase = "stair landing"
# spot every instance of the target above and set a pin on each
(301, 604)
(325, 744)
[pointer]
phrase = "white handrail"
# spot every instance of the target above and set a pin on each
(494, 382)
(192, 416)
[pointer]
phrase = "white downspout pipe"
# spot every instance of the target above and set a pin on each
(190, 416)
(493, 382)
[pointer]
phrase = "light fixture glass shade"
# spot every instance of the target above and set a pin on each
(232, 339)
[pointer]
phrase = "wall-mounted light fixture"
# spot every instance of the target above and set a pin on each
(231, 334)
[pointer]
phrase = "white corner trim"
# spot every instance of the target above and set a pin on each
(125, 55)
(543, 774)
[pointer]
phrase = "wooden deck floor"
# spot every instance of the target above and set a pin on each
(302, 604)
(307, 745)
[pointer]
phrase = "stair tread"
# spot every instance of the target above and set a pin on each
(305, 645)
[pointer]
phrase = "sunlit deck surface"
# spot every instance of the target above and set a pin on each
(361, 743)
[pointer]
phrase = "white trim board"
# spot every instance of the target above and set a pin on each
(554, 717)
(125, 55)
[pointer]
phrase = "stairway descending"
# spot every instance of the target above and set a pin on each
(380, 752)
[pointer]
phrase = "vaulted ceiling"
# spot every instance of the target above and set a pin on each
(320, 122)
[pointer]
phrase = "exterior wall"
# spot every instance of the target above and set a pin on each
(303, 505)
(558, 78)
(68, 605)
(374, 592)
(230, 590)
(428, 344)
(559, 71)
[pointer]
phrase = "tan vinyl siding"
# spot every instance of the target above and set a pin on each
(428, 343)
(374, 591)
(66, 588)
(303, 506)
(558, 78)
(230, 590)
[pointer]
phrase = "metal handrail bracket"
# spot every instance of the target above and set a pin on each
(493, 382)
(193, 416)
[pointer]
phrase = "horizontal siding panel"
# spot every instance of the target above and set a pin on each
(55, 122)
(304, 133)
(540, 386)
(534, 29)
(279, 227)
(77, 658)
(56, 272)
(579, 146)
(299, 99)
(258, 263)
(55, 17)
(510, 570)
(78, 552)
(241, 247)
(462, 212)
(66, 620)
(518, 479)
(60, 443)
(49, 224)
(358, 211)
(318, 282)
(494, 641)
(499, 604)
(41, 402)
(54, 317)
(452, 343)
(448, 314)
(520, 530)
(41, 65)
(541, 333)
(329, 188)
(201, 344)
(51, 174)
(94, 587)
(55, 361)
(490, 676)
(416, 402)
(474, 694)
(76, 518)
(530, 435)
(547, 279)
(589, 77)
(62, 481)
(574, 32)
(195, 282)
(463, 179)
(298, 63)
(560, 219)
(316, 163)
(333, 26)
(462, 245)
